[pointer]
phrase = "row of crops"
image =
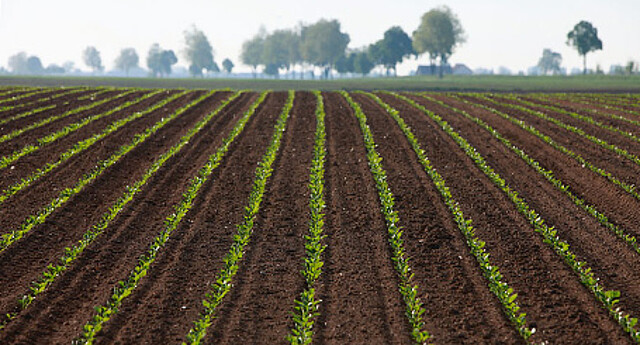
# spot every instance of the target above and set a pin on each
(46, 131)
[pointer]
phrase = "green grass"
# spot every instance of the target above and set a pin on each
(589, 83)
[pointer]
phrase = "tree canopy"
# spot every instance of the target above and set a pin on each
(227, 65)
(91, 58)
(439, 33)
(392, 49)
(323, 44)
(550, 62)
(160, 61)
(584, 38)
(127, 60)
(198, 52)
(252, 52)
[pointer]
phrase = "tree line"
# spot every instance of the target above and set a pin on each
(318, 46)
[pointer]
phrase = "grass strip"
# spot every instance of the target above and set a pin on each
(8, 239)
(629, 188)
(223, 282)
(75, 149)
(608, 299)
(491, 272)
(549, 176)
(50, 119)
(72, 253)
(408, 290)
(600, 142)
(306, 306)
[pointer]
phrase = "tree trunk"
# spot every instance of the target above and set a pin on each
(584, 64)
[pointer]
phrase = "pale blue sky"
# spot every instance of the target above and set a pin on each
(499, 32)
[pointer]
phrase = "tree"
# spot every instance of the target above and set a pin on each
(34, 65)
(127, 60)
(54, 69)
(160, 61)
(345, 63)
(227, 65)
(550, 62)
(584, 38)
(280, 49)
(440, 32)
(322, 44)
(198, 52)
(252, 52)
(91, 58)
(362, 63)
(21, 63)
(393, 48)
(18, 63)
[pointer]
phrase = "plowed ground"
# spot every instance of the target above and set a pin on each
(358, 290)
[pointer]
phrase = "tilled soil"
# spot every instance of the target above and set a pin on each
(358, 289)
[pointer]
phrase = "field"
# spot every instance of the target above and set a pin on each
(158, 216)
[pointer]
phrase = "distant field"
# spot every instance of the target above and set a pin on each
(598, 83)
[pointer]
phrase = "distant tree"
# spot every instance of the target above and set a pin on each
(91, 58)
(227, 65)
(127, 60)
(362, 63)
(345, 63)
(54, 69)
(159, 61)
(550, 62)
(34, 65)
(281, 49)
(393, 48)
(198, 52)
(439, 33)
(631, 67)
(322, 44)
(18, 63)
(68, 66)
(584, 38)
(272, 70)
(251, 54)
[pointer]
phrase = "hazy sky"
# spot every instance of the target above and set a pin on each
(499, 32)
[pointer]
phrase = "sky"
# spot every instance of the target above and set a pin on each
(505, 33)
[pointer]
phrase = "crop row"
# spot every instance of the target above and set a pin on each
(50, 119)
(25, 95)
(549, 176)
(72, 253)
(224, 281)
(409, 291)
(61, 133)
(605, 103)
(600, 142)
(583, 118)
(629, 188)
(306, 306)
(42, 100)
(490, 271)
(598, 112)
(77, 148)
(33, 220)
(11, 90)
(608, 299)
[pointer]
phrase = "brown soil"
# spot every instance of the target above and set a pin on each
(31, 136)
(58, 102)
(22, 262)
(359, 291)
(447, 275)
(549, 292)
(360, 302)
(620, 167)
(26, 165)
